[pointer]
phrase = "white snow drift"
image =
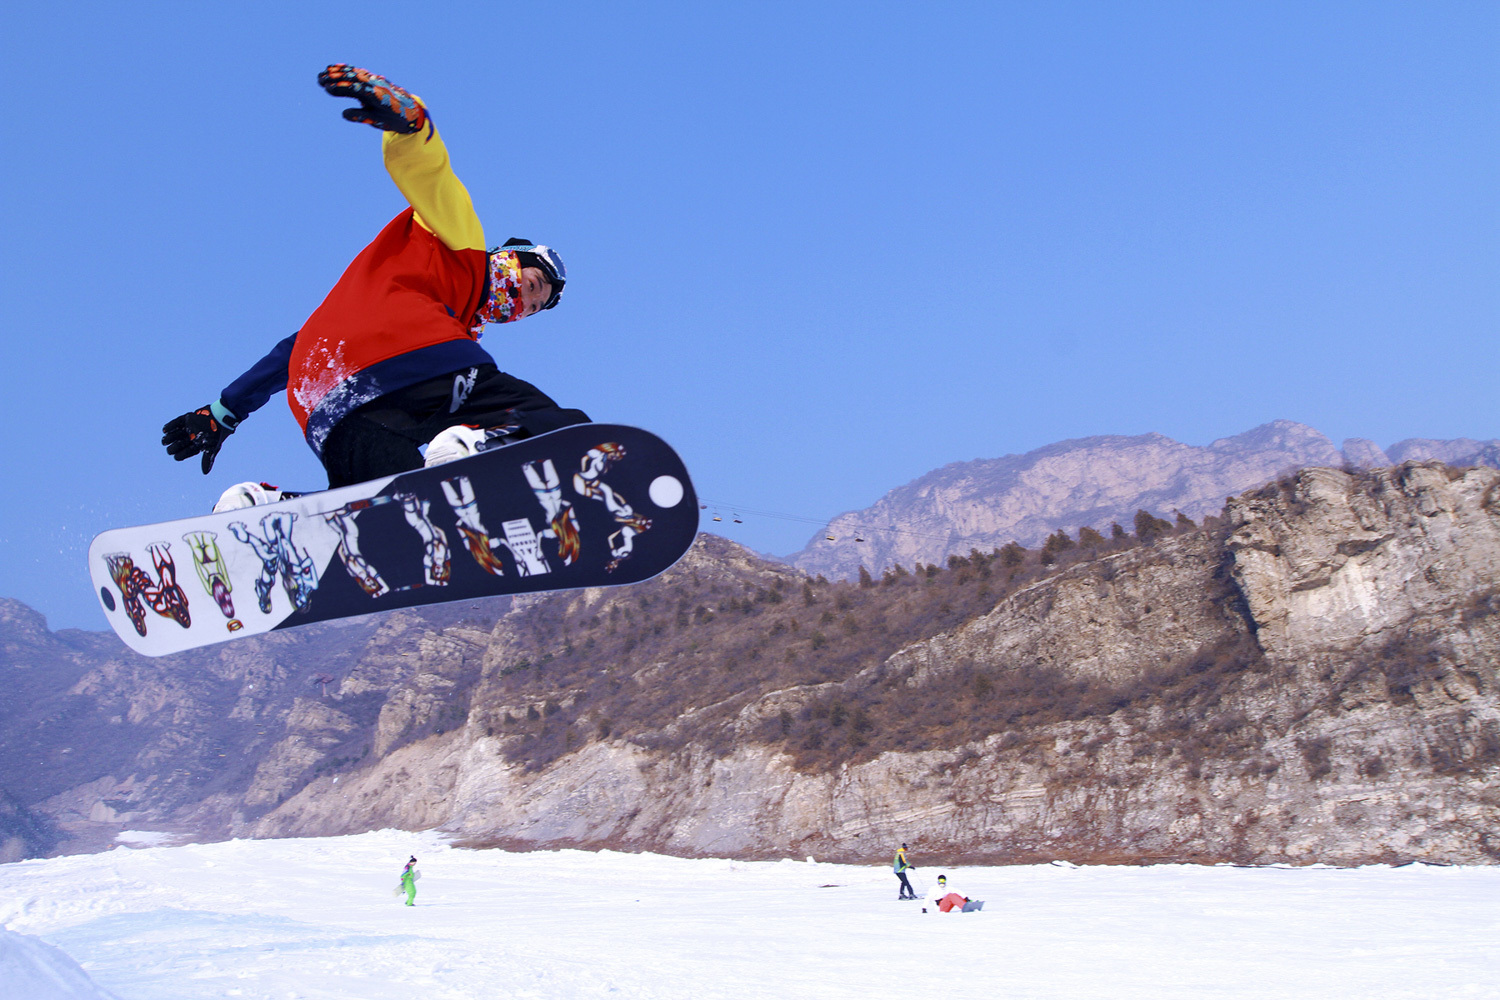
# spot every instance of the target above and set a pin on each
(31, 969)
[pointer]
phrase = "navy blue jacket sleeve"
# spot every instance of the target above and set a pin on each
(265, 379)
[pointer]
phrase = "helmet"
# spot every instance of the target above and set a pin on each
(942, 880)
(545, 259)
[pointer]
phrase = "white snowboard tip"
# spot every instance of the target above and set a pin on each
(666, 491)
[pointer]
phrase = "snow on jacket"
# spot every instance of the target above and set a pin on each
(403, 311)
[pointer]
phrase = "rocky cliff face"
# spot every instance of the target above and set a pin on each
(1310, 676)
(1313, 678)
(1088, 482)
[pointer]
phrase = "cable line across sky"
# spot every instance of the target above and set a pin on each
(860, 530)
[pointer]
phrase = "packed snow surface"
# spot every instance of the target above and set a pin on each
(320, 919)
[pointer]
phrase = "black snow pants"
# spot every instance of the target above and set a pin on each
(906, 891)
(382, 437)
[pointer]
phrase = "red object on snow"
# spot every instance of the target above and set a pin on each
(951, 901)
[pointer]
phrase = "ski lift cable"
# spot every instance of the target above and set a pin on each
(824, 522)
(857, 528)
(766, 513)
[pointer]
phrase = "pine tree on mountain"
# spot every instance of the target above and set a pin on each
(1148, 526)
(1055, 545)
(1012, 554)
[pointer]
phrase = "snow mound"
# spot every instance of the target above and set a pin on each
(32, 968)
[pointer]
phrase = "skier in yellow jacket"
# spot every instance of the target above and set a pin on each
(901, 867)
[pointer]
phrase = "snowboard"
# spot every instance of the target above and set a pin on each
(973, 905)
(592, 505)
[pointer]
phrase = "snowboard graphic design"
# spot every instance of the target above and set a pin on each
(593, 505)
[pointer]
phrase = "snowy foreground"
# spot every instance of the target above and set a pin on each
(318, 919)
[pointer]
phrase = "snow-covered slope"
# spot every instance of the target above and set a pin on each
(317, 919)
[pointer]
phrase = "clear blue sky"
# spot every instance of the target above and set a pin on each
(821, 248)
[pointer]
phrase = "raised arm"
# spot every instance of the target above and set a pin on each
(414, 153)
(419, 166)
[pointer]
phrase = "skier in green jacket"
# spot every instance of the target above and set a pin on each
(409, 880)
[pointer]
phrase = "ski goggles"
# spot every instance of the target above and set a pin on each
(550, 263)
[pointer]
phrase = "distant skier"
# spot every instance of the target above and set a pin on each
(901, 867)
(409, 881)
(390, 361)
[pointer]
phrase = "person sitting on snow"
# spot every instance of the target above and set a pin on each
(944, 898)
(391, 360)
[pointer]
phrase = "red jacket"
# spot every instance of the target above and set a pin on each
(403, 311)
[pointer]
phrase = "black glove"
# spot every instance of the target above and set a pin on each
(383, 104)
(191, 433)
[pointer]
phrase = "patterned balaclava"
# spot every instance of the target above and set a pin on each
(504, 303)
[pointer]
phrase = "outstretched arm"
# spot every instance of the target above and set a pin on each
(264, 379)
(204, 430)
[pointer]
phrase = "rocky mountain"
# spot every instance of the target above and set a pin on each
(1311, 675)
(1088, 482)
(1459, 451)
(95, 739)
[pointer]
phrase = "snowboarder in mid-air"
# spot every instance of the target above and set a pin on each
(390, 361)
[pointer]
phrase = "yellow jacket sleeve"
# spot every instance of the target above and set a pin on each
(418, 163)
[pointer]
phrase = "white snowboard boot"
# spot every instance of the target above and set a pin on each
(242, 495)
(463, 440)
